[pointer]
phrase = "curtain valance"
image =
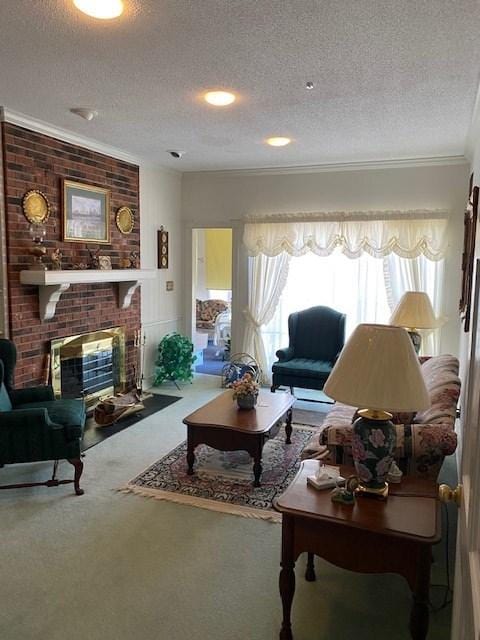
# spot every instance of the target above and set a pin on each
(407, 234)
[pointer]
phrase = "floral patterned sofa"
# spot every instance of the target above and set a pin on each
(207, 312)
(424, 439)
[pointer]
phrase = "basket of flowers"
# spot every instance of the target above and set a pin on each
(245, 391)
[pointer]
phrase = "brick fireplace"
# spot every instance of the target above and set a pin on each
(36, 161)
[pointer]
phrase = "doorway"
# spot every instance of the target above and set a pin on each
(212, 298)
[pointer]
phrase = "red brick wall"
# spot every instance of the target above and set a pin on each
(35, 161)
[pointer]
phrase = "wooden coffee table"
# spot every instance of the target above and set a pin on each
(221, 425)
(373, 536)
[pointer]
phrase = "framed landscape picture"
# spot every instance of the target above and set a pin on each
(86, 212)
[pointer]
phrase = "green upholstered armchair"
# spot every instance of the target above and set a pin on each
(316, 337)
(35, 427)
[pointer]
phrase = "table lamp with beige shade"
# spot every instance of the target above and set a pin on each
(378, 372)
(413, 312)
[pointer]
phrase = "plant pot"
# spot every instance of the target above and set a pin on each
(247, 402)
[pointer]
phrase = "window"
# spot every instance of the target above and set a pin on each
(355, 287)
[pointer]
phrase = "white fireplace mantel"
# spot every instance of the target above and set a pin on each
(51, 284)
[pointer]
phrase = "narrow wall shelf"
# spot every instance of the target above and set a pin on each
(51, 284)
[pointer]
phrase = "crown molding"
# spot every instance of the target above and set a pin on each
(340, 166)
(39, 126)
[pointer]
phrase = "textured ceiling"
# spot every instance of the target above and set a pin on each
(393, 78)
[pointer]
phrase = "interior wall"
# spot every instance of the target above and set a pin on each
(224, 198)
(160, 203)
(466, 338)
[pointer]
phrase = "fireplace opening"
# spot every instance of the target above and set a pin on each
(89, 366)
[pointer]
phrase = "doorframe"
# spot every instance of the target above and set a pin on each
(239, 277)
(466, 592)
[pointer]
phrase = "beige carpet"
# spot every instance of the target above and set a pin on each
(109, 566)
(311, 418)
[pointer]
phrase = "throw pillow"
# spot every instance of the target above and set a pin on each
(403, 417)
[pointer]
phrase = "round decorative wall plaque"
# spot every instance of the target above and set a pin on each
(36, 207)
(125, 220)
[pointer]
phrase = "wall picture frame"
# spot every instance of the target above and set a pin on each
(86, 213)
(162, 248)
(470, 229)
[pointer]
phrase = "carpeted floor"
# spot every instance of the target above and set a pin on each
(213, 361)
(309, 417)
(109, 566)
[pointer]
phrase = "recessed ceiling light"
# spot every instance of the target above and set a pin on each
(101, 9)
(278, 141)
(219, 98)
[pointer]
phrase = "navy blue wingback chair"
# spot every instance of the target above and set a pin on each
(34, 426)
(316, 337)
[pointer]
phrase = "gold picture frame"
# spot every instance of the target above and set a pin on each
(35, 206)
(86, 213)
(125, 220)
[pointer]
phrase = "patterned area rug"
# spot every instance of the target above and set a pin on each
(223, 479)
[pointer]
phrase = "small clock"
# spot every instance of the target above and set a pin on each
(162, 239)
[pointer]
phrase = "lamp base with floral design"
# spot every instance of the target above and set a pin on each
(373, 444)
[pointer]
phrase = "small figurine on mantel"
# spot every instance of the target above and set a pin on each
(56, 259)
(132, 262)
(94, 258)
(134, 258)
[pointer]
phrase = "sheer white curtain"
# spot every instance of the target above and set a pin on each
(354, 287)
(267, 280)
(416, 275)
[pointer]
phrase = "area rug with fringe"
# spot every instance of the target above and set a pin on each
(223, 480)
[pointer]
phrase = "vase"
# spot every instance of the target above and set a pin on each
(247, 402)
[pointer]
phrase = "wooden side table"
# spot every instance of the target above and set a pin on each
(373, 536)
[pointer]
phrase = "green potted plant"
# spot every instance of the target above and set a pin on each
(175, 359)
